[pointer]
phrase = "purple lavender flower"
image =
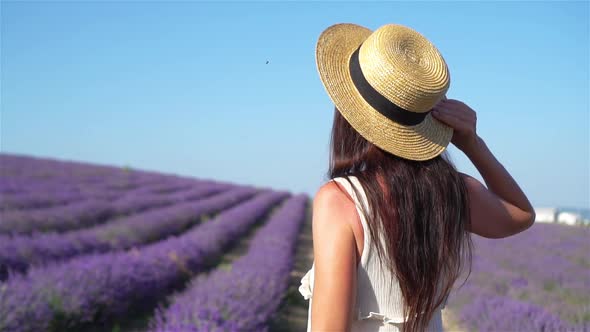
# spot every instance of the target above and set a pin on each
(95, 288)
(17, 253)
(245, 297)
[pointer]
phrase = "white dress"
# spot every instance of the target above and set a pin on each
(379, 303)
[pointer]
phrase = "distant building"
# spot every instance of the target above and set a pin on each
(569, 218)
(563, 215)
(546, 214)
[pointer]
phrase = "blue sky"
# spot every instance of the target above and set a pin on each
(184, 87)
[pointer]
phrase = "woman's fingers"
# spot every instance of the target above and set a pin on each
(454, 113)
(460, 117)
(455, 109)
(448, 118)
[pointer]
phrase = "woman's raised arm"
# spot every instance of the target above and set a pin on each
(502, 209)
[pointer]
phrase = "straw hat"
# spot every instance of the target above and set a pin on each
(384, 83)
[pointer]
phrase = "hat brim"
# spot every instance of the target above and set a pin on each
(423, 141)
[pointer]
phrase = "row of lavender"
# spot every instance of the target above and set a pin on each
(90, 289)
(149, 208)
(83, 245)
(29, 182)
(81, 213)
(537, 280)
(34, 196)
(40, 195)
(18, 253)
(245, 297)
(41, 170)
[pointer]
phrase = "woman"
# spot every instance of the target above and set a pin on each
(391, 180)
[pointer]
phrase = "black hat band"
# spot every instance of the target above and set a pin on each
(378, 101)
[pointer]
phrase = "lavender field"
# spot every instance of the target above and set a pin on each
(96, 248)
(537, 280)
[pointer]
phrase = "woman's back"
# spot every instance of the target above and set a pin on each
(379, 301)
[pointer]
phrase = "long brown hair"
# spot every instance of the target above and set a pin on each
(422, 215)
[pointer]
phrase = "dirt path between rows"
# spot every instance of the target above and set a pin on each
(292, 316)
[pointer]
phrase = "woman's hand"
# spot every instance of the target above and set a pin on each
(462, 119)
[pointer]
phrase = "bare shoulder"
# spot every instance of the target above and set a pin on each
(469, 179)
(333, 206)
(474, 186)
(333, 200)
